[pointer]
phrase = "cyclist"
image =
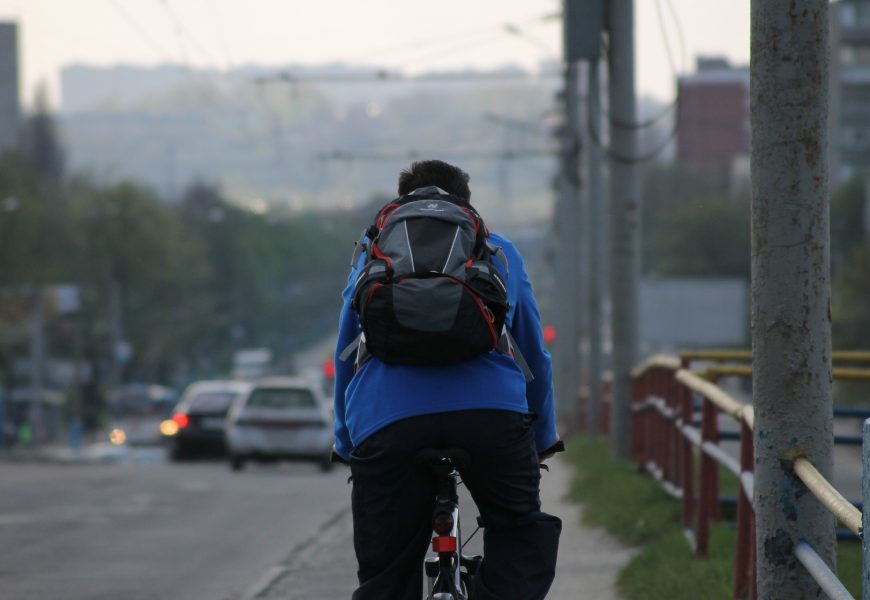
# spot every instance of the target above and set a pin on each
(385, 413)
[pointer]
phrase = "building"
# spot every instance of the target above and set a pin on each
(713, 116)
(693, 313)
(849, 116)
(10, 108)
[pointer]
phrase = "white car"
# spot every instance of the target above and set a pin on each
(280, 418)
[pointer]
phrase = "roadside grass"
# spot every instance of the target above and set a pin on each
(636, 510)
(849, 566)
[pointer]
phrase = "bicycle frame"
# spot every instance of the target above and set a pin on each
(446, 579)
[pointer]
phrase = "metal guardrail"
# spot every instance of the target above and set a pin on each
(666, 437)
(828, 495)
(744, 355)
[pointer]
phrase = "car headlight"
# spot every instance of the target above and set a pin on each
(169, 427)
(117, 436)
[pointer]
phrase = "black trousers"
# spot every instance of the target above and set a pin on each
(393, 501)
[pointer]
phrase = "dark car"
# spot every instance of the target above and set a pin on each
(197, 425)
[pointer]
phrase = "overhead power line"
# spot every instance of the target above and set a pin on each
(221, 34)
(432, 42)
(341, 155)
(616, 156)
(184, 38)
(142, 33)
(384, 76)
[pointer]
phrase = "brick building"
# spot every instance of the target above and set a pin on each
(713, 114)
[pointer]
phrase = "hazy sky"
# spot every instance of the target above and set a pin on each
(410, 35)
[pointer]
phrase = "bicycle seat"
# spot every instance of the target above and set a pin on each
(432, 457)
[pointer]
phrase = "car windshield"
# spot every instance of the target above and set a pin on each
(281, 398)
(212, 401)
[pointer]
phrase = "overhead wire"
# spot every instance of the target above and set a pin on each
(623, 158)
(429, 42)
(142, 33)
(681, 36)
(221, 33)
(622, 123)
(412, 154)
(184, 38)
(667, 43)
(594, 104)
(207, 100)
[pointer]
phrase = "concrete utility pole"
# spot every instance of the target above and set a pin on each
(568, 220)
(594, 229)
(37, 364)
(791, 322)
(581, 41)
(624, 219)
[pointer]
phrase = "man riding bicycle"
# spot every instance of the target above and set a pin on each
(497, 405)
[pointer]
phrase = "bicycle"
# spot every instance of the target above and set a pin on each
(450, 574)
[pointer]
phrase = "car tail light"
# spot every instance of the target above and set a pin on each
(181, 420)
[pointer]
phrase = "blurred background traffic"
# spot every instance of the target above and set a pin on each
(181, 183)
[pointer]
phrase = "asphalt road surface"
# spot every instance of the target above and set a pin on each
(156, 530)
(141, 528)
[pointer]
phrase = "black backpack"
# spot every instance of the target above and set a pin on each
(429, 292)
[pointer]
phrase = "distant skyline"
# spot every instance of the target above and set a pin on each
(411, 36)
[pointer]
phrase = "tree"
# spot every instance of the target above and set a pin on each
(851, 310)
(132, 243)
(847, 222)
(703, 238)
(692, 227)
(40, 142)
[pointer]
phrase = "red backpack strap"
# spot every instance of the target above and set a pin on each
(385, 214)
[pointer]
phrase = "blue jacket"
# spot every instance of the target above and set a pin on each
(380, 394)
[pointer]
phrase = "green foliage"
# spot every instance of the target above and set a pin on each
(666, 569)
(692, 227)
(130, 239)
(847, 222)
(849, 562)
(195, 280)
(851, 322)
(635, 509)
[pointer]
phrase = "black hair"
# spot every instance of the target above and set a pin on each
(422, 173)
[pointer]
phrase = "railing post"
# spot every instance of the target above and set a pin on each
(648, 426)
(688, 413)
(743, 567)
(673, 402)
(709, 475)
(753, 558)
(865, 517)
(637, 431)
(666, 430)
(716, 508)
(664, 456)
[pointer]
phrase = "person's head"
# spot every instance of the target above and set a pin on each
(422, 173)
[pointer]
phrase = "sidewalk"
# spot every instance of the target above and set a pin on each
(324, 568)
(589, 559)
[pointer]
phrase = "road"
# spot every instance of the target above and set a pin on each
(191, 531)
(142, 528)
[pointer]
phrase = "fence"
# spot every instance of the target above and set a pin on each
(667, 434)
